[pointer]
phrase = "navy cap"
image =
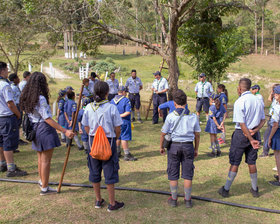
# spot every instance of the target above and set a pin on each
(62, 92)
(277, 90)
(213, 96)
(86, 101)
(202, 75)
(121, 88)
(157, 73)
(256, 87)
(68, 87)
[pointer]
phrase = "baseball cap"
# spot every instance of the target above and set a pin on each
(157, 73)
(121, 88)
(202, 75)
(277, 90)
(256, 87)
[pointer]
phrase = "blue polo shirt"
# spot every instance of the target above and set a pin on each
(223, 98)
(171, 106)
(70, 106)
(123, 105)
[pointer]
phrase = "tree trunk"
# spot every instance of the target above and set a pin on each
(65, 45)
(256, 33)
(262, 30)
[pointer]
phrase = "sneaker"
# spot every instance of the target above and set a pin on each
(155, 122)
(21, 142)
(3, 168)
(117, 206)
(263, 155)
(219, 153)
(48, 191)
(129, 157)
(81, 148)
(16, 173)
(223, 192)
(99, 204)
(255, 193)
(16, 151)
(188, 203)
(211, 154)
(40, 183)
(172, 202)
(274, 183)
(140, 121)
(275, 168)
(133, 119)
(276, 177)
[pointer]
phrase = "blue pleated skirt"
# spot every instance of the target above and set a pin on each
(275, 141)
(211, 127)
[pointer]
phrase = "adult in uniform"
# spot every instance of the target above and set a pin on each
(134, 85)
(159, 87)
(92, 80)
(9, 115)
(248, 114)
(113, 86)
(203, 89)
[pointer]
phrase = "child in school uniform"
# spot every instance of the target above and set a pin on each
(102, 113)
(82, 131)
(70, 108)
(274, 137)
(181, 151)
(60, 111)
(223, 97)
(124, 108)
(217, 116)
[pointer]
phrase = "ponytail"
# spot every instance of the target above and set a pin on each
(101, 89)
(223, 88)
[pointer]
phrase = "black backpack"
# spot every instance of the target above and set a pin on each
(28, 129)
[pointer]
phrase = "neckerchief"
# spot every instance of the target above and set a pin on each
(118, 98)
(158, 82)
(178, 111)
(3, 79)
(202, 90)
(96, 105)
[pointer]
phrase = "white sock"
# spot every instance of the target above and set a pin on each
(126, 151)
(44, 189)
(77, 141)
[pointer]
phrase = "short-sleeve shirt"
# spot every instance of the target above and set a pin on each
(6, 95)
(171, 106)
(79, 119)
(87, 92)
(123, 105)
(160, 84)
(186, 128)
(103, 114)
(223, 98)
(42, 111)
(275, 114)
(217, 113)
(260, 98)
(113, 86)
(274, 102)
(133, 85)
(91, 85)
(61, 103)
(22, 84)
(203, 89)
(248, 110)
(70, 107)
(16, 93)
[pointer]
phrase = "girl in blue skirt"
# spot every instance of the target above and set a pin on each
(274, 137)
(217, 116)
(60, 111)
(223, 97)
(34, 101)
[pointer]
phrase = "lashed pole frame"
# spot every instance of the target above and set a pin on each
(70, 143)
(151, 98)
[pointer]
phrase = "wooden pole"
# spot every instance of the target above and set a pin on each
(151, 98)
(69, 146)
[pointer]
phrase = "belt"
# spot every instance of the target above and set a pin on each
(181, 143)
(7, 116)
(134, 94)
(202, 98)
(160, 94)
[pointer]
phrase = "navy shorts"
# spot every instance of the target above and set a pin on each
(240, 145)
(9, 133)
(46, 137)
(110, 167)
(202, 102)
(126, 131)
(134, 100)
(181, 153)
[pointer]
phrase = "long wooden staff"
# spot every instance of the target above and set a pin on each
(151, 98)
(69, 145)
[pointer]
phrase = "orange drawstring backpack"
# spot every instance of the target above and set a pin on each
(101, 148)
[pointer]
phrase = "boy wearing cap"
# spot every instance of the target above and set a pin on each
(248, 114)
(203, 89)
(256, 91)
(134, 85)
(124, 108)
(113, 86)
(160, 88)
(181, 151)
(9, 115)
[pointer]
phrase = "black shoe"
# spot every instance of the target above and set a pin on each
(129, 157)
(212, 154)
(263, 155)
(99, 204)
(188, 203)
(16, 173)
(21, 142)
(81, 148)
(274, 183)
(155, 122)
(48, 191)
(140, 121)
(67, 145)
(133, 119)
(172, 202)
(276, 177)
(63, 140)
(3, 168)
(255, 193)
(16, 151)
(219, 153)
(117, 206)
(223, 192)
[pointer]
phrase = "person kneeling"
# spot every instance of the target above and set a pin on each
(184, 129)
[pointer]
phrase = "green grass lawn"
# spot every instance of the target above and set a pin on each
(21, 203)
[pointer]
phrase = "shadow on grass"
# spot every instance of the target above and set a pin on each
(115, 56)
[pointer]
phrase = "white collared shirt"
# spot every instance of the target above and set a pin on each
(160, 84)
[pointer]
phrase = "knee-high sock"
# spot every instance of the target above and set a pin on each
(188, 192)
(174, 191)
(63, 136)
(77, 141)
(230, 179)
(254, 180)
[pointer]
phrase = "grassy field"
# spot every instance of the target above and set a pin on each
(21, 203)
